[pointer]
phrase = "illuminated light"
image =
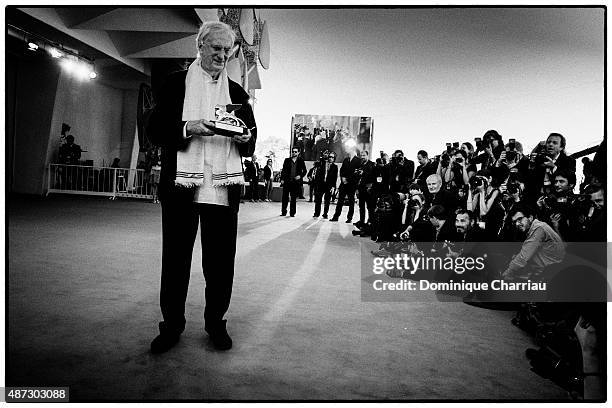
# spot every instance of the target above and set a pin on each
(82, 71)
(68, 65)
(55, 53)
(251, 102)
(350, 143)
(92, 75)
(32, 46)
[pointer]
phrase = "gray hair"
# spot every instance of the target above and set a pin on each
(434, 176)
(213, 26)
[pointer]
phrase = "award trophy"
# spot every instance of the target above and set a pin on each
(226, 123)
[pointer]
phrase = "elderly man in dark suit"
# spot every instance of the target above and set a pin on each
(200, 183)
(325, 181)
(292, 174)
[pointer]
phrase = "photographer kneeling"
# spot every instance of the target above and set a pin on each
(541, 248)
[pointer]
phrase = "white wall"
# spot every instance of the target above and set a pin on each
(95, 114)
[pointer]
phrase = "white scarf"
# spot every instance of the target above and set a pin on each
(217, 153)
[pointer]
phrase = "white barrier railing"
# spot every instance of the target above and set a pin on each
(103, 181)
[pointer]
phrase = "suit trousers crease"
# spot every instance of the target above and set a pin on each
(218, 224)
(290, 188)
(322, 194)
(345, 191)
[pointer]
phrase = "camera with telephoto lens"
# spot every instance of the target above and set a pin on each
(511, 156)
(512, 145)
(414, 203)
(445, 159)
(566, 204)
(513, 188)
(477, 181)
(541, 155)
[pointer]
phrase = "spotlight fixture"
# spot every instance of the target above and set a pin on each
(32, 46)
(55, 53)
(68, 64)
(93, 75)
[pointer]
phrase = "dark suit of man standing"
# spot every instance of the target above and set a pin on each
(325, 181)
(294, 170)
(348, 185)
(183, 208)
(364, 186)
(401, 172)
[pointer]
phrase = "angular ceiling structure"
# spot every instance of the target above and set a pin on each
(121, 38)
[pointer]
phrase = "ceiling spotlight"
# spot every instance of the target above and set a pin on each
(82, 70)
(32, 46)
(68, 64)
(92, 74)
(55, 53)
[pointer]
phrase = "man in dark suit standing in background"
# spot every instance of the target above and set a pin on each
(364, 186)
(325, 181)
(294, 170)
(401, 172)
(200, 183)
(348, 184)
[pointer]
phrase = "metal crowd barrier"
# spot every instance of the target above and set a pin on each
(101, 181)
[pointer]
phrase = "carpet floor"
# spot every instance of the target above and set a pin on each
(83, 282)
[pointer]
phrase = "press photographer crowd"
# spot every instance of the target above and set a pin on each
(489, 191)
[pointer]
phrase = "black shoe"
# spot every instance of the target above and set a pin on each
(164, 342)
(325, 216)
(219, 337)
(315, 216)
(334, 219)
(292, 215)
(349, 221)
(283, 214)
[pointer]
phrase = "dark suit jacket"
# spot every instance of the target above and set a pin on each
(367, 175)
(563, 162)
(332, 177)
(400, 175)
(299, 171)
(348, 170)
(165, 129)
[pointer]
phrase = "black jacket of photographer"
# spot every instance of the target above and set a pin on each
(165, 129)
(563, 162)
(347, 170)
(366, 175)
(400, 175)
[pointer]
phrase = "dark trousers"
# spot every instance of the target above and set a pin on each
(345, 191)
(322, 192)
(290, 188)
(366, 200)
(254, 187)
(180, 219)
